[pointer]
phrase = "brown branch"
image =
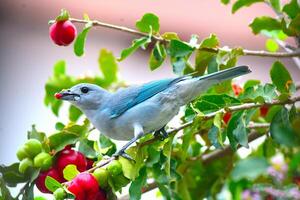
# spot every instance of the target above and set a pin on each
(246, 52)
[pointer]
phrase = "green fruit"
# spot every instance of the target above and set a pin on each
(59, 194)
(42, 160)
(114, 168)
(25, 164)
(120, 181)
(33, 147)
(21, 153)
(101, 176)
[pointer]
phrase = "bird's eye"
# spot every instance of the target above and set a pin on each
(84, 90)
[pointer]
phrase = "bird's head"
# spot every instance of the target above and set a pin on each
(83, 95)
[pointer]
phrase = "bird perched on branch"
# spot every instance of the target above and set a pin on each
(130, 113)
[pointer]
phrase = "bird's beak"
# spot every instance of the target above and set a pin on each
(67, 95)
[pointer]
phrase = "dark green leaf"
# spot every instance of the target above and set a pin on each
(28, 192)
(259, 93)
(80, 40)
(74, 113)
(243, 3)
(58, 141)
(157, 56)
(179, 49)
(251, 83)
(232, 125)
(179, 64)
(281, 130)
(141, 42)
(225, 1)
(240, 133)
(4, 191)
(135, 190)
(281, 78)
(34, 134)
(107, 146)
(148, 22)
(212, 65)
(154, 156)
(11, 175)
(108, 65)
(59, 126)
(52, 184)
(294, 26)
(87, 148)
(264, 23)
(213, 136)
(249, 168)
(292, 9)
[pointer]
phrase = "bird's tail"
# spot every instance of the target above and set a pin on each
(226, 74)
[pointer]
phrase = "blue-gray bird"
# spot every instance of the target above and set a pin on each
(130, 113)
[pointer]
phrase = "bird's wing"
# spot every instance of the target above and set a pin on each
(128, 98)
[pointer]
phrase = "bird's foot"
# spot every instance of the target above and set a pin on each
(161, 134)
(123, 154)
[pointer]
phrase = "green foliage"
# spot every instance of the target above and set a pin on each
(243, 3)
(108, 65)
(135, 190)
(148, 23)
(264, 23)
(157, 56)
(80, 39)
(138, 43)
(52, 184)
(282, 78)
(70, 172)
(292, 9)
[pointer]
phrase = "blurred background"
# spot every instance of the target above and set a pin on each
(27, 54)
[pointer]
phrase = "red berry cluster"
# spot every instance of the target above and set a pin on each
(84, 186)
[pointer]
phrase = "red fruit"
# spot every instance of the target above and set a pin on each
(227, 117)
(296, 180)
(84, 186)
(89, 163)
(40, 181)
(62, 33)
(100, 195)
(70, 157)
(264, 110)
(237, 89)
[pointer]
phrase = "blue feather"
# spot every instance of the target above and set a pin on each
(128, 98)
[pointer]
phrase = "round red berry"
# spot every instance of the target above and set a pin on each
(264, 110)
(70, 157)
(227, 117)
(40, 181)
(90, 163)
(62, 33)
(84, 186)
(237, 89)
(100, 195)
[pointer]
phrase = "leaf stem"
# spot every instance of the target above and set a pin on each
(246, 52)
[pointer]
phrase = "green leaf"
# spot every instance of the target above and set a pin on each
(292, 9)
(80, 40)
(170, 36)
(276, 5)
(232, 126)
(70, 172)
(203, 58)
(108, 65)
(59, 68)
(243, 3)
(157, 56)
(141, 42)
(87, 148)
(281, 129)
(240, 133)
(271, 45)
(59, 140)
(74, 113)
(294, 26)
(148, 22)
(179, 49)
(52, 184)
(178, 64)
(277, 34)
(28, 192)
(4, 191)
(251, 83)
(249, 168)
(34, 134)
(213, 136)
(281, 78)
(11, 175)
(225, 2)
(107, 146)
(135, 189)
(63, 16)
(264, 23)
(259, 93)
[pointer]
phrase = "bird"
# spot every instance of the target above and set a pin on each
(130, 113)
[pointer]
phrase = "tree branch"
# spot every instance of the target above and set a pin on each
(246, 52)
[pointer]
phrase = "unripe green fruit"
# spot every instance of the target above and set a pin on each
(33, 147)
(120, 181)
(114, 168)
(25, 164)
(21, 153)
(43, 160)
(59, 194)
(101, 176)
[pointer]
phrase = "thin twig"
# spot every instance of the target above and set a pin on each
(160, 39)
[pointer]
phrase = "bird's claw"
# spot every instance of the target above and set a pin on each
(161, 134)
(124, 155)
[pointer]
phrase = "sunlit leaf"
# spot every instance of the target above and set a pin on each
(148, 22)
(81, 38)
(264, 23)
(243, 3)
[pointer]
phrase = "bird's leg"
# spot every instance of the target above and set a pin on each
(138, 133)
(161, 134)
